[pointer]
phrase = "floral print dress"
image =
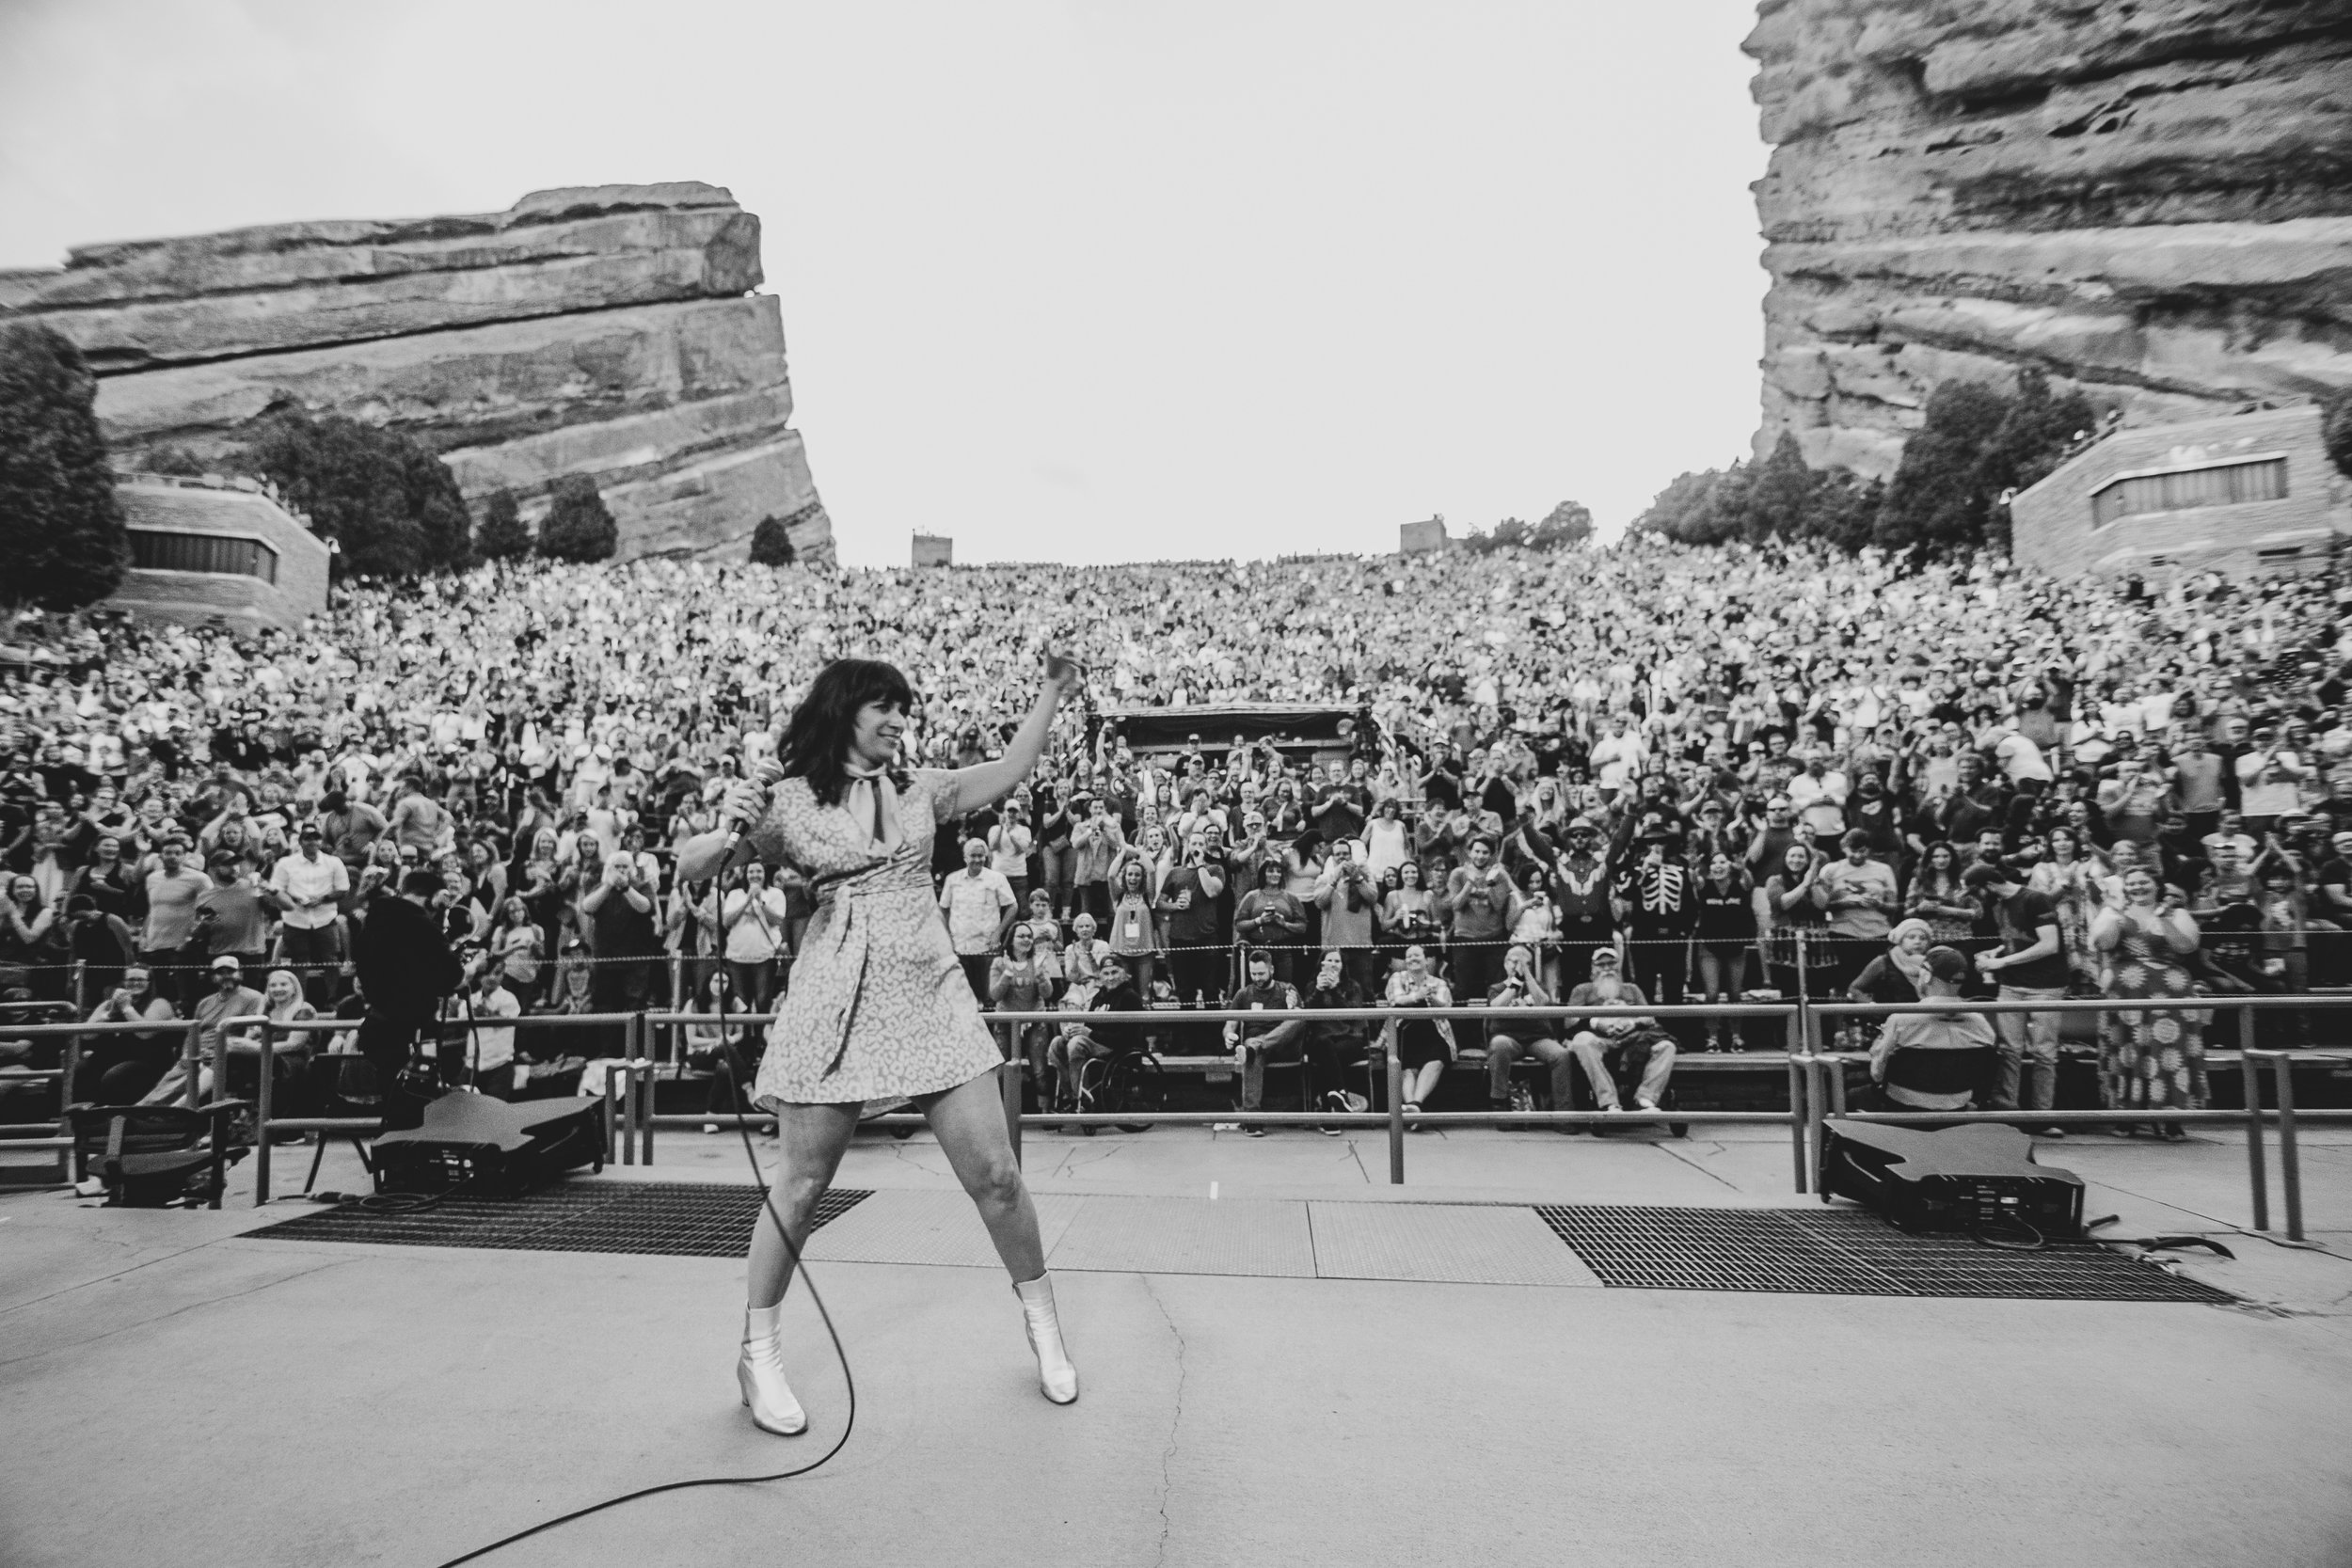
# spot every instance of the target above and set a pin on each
(879, 1008)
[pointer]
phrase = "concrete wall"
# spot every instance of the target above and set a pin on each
(2051, 524)
(934, 549)
(159, 504)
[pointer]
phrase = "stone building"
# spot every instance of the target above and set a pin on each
(1414, 538)
(2245, 494)
(212, 549)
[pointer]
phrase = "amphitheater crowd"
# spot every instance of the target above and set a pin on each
(1639, 774)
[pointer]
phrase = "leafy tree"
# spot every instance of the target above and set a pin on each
(1940, 494)
(578, 526)
(172, 460)
(772, 543)
(2336, 429)
(1975, 443)
(1569, 523)
(393, 507)
(1844, 510)
(1673, 511)
(2035, 437)
(62, 543)
(1708, 507)
(502, 537)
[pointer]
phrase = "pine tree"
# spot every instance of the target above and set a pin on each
(1781, 492)
(578, 526)
(772, 543)
(502, 537)
(61, 535)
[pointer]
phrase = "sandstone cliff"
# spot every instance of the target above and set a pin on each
(605, 330)
(2150, 200)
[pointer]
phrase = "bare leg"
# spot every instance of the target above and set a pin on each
(969, 1122)
(813, 1138)
(1422, 1082)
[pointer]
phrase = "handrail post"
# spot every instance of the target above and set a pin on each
(261, 1108)
(1816, 1140)
(2290, 1163)
(1396, 1119)
(1796, 1122)
(70, 1065)
(2251, 1072)
(644, 1089)
(78, 978)
(192, 1064)
(616, 1136)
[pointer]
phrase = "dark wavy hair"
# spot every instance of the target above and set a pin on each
(817, 737)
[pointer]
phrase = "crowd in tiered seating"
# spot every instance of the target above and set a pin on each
(1640, 775)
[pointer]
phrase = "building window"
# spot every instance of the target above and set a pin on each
(2223, 485)
(157, 551)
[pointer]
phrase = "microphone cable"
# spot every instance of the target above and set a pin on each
(767, 1203)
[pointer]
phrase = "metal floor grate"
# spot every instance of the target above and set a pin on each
(675, 1219)
(1844, 1252)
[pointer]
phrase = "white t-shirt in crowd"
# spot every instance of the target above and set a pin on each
(975, 905)
(491, 1048)
(2265, 791)
(1616, 758)
(749, 941)
(2020, 758)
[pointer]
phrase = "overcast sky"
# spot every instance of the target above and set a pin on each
(1072, 281)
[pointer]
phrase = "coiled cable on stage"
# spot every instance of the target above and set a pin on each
(734, 1096)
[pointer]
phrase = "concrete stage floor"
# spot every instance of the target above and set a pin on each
(177, 1392)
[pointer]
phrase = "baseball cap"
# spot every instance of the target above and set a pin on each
(227, 961)
(1946, 965)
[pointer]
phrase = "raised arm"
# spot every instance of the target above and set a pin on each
(985, 783)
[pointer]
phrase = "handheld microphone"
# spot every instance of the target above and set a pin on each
(766, 776)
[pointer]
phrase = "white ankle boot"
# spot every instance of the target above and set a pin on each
(1055, 1377)
(760, 1373)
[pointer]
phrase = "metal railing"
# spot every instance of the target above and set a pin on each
(1392, 1119)
(1815, 1077)
(1826, 1088)
(69, 1066)
(625, 1093)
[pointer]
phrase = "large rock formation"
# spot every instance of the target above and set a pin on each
(2150, 200)
(605, 330)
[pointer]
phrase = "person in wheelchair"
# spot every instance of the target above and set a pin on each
(1080, 1042)
(1602, 1045)
(1932, 1061)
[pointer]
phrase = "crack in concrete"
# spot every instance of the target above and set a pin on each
(178, 1311)
(905, 1152)
(1355, 1155)
(1675, 1154)
(1071, 1161)
(1176, 1418)
(165, 1257)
